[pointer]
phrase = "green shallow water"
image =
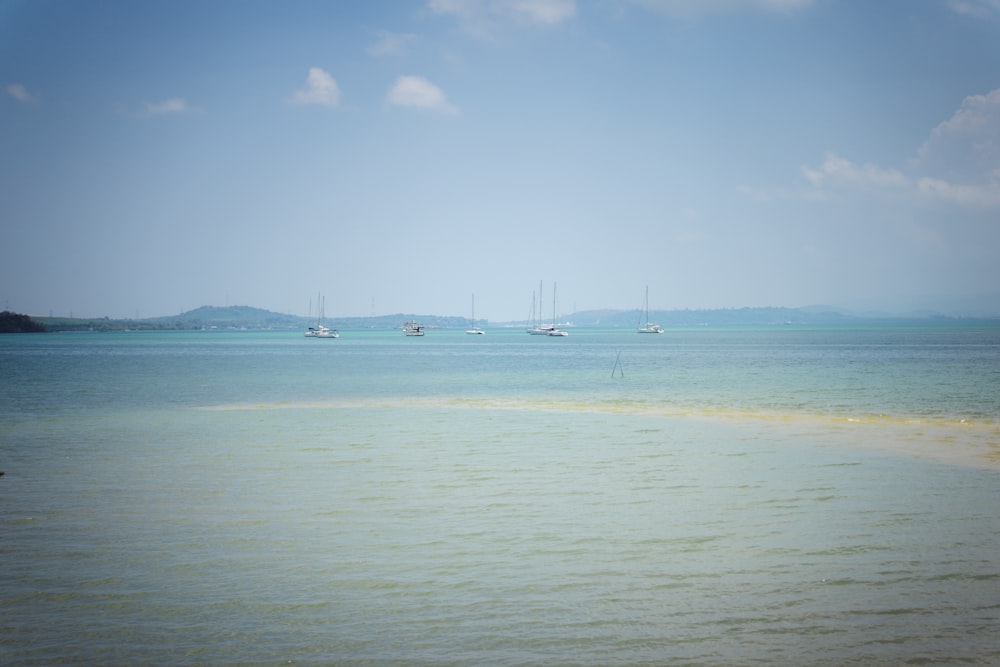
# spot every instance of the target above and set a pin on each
(728, 497)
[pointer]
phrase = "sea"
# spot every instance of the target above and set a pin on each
(782, 495)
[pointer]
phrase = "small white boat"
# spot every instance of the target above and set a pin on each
(540, 329)
(537, 328)
(554, 330)
(413, 329)
(649, 327)
(474, 330)
(320, 331)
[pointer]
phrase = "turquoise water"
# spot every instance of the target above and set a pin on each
(711, 496)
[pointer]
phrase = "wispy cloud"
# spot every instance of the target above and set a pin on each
(320, 90)
(544, 12)
(959, 164)
(21, 94)
(696, 7)
(983, 195)
(483, 18)
(170, 106)
(837, 171)
(968, 143)
(980, 9)
(419, 93)
(391, 44)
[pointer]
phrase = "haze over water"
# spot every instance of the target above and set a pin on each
(781, 496)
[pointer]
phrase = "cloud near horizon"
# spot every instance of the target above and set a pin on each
(968, 142)
(838, 171)
(21, 94)
(419, 93)
(320, 90)
(959, 163)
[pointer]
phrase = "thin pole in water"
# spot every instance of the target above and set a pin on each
(618, 365)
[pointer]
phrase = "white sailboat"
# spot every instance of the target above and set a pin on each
(321, 331)
(554, 330)
(536, 328)
(649, 327)
(474, 330)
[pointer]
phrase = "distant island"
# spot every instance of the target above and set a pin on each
(18, 323)
(249, 318)
(236, 318)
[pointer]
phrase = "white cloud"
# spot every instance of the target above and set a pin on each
(417, 92)
(839, 172)
(694, 7)
(960, 160)
(985, 195)
(169, 106)
(320, 90)
(980, 9)
(21, 94)
(959, 163)
(391, 44)
(547, 12)
(483, 18)
(968, 143)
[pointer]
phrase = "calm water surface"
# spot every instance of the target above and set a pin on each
(710, 497)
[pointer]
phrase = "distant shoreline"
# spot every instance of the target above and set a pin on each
(249, 318)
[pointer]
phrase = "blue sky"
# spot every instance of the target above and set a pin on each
(401, 156)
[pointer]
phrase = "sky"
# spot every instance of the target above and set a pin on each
(401, 157)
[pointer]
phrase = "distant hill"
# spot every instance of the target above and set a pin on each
(247, 317)
(228, 317)
(206, 317)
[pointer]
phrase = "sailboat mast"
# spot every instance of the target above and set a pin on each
(553, 305)
(540, 293)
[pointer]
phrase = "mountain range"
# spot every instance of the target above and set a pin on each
(248, 317)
